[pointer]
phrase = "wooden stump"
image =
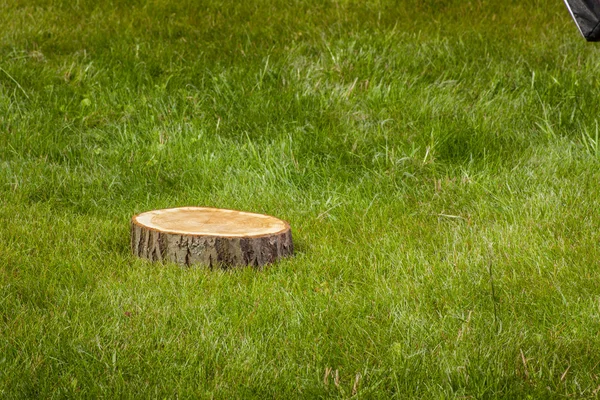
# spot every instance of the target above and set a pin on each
(210, 236)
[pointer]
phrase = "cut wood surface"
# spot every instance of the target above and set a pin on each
(210, 236)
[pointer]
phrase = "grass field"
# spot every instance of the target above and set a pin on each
(438, 162)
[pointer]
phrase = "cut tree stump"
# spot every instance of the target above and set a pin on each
(210, 236)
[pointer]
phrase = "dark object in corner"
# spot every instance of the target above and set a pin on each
(586, 14)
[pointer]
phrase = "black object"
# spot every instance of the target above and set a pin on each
(586, 14)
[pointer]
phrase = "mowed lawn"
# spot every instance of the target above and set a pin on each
(438, 162)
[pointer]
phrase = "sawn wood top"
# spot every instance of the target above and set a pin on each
(204, 221)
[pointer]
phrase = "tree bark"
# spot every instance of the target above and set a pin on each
(223, 244)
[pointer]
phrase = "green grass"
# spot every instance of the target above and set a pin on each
(438, 162)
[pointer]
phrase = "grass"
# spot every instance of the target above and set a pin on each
(438, 163)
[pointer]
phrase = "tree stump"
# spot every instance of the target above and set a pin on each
(210, 236)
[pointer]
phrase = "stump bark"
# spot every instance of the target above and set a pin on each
(210, 236)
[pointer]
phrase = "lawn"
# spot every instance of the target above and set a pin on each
(438, 162)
